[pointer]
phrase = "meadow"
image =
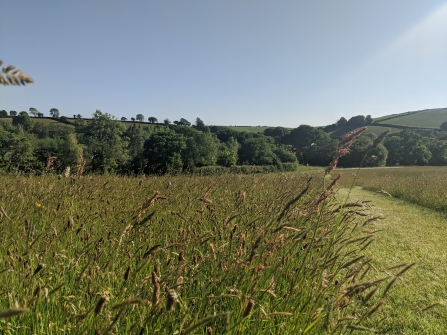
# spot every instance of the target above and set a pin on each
(232, 254)
(420, 185)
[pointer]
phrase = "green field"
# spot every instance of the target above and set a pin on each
(233, 254)
(371, 129)
(248, 128)
(429, 118)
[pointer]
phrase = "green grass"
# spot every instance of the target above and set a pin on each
(408, 233)
(35, 119)
(424, 186)
(220, 244)
(248, 129)
(429, 118)
(341, 131)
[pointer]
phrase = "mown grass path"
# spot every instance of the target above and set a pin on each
(410, 233)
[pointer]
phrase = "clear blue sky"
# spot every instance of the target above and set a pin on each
(229, 62)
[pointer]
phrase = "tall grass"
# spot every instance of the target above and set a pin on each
(232, 254)
(424, 186)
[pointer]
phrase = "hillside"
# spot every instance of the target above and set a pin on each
(422, 119)
(427, 118)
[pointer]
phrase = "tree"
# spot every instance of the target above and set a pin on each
(133, 119)
(11, 76)
(357, 121)
(3, 113)
(12, 113)
(152, 119)
(166, 122)
(444, 126)
(124, 119)
(257, 151)
(24, 120)
(407, 148)
(360, 154)
(39, 114)
(105, 144)
(200, 125)
(182, 122)
(140, 117)
(54, 112)
(137, 136)
(342, 121)
(200, 148)
(33, 111)
(16, 152)
(163, 152)
(368, 119)
(277, 133)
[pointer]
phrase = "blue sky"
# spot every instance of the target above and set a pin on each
(232, 62)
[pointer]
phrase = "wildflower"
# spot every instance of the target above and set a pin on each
(38, 204)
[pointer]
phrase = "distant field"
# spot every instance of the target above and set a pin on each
(248, 129)
(430, 118)
(38, 119)
(371, 129)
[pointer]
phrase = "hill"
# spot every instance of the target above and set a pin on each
(427, 118)
(421, 119)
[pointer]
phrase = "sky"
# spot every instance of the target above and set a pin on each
(228, 62)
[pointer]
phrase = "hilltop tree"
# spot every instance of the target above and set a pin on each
(152, 119)
(342, 121)
(124, 119)
(444, 126)
(3, 113)
(54, 112)
(12, 113)
(24, 120)
(167, 122)
(33, 111)
(140, 117)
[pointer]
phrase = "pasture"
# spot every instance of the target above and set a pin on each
(232, 254)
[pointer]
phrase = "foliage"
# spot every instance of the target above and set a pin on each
(54, 112)
(105, 145)
(24, 120)
(163, 152)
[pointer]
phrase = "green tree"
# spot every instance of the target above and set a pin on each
(257, 151)
(444, 126)
(342, 121)
(152, 119)
(407, 148)
(16, 152)
(105, 144)
(200, 150)
(54, 112)
(140, 117)
(137, 136)
(163, 152)
(33, 111)
(24, 120)
(3, 113)
(360, 153)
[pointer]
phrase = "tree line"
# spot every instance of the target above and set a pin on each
(104, 144)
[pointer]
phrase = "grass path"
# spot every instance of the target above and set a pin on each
(409, 234)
